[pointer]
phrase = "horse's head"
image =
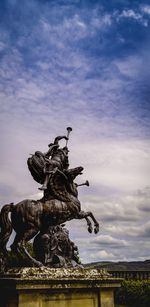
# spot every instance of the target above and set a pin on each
(72, 173)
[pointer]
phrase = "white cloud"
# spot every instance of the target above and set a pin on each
(102, 255)
(119, 164)
(57, 83)
(145, 9)
(137, 14)
(130, 66)
(122, 226)
(108, 240)
(131, 14)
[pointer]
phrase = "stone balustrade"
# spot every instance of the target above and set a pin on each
(127, 274)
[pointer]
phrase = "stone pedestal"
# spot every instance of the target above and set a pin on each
(44, 287)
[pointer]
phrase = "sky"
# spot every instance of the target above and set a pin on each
(84, 64)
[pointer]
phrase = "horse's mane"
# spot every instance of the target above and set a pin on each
(58, 186)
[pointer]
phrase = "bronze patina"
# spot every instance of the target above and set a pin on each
(43, 220)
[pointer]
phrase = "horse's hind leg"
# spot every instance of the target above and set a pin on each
(26, 237)
(29, 234)
(16, 244)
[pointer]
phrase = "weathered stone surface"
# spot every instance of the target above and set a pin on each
(56, 274)
(73, 299)
(49, 287)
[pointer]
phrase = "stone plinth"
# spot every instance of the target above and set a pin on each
(44, 287)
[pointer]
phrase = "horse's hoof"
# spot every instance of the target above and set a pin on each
(96, 229)
(39, 264)
(90, 229)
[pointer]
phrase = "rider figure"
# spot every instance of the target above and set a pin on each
(55, 158)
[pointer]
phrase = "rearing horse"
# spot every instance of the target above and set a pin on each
(28, 217)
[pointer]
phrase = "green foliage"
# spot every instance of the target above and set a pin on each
(134, 293)
(20, 260)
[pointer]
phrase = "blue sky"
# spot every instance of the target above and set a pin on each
(84, 64)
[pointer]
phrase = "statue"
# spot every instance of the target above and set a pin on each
(43, 219)
(55, 249)
(41, 165)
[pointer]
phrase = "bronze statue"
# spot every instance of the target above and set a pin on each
(44, 217)
(42, 165)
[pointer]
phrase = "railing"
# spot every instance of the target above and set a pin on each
(139, 275)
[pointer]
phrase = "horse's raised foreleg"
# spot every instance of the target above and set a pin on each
(82, 215)
(89, 224)
(96, 224)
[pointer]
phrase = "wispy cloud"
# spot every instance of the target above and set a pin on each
(145, 9)
(135, 15)
(80, 64)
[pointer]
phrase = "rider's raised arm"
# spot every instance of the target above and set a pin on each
(58, 138)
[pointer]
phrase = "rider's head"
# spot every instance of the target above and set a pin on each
(53, 148)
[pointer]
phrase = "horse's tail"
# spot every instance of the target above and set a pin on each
(5, 225)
